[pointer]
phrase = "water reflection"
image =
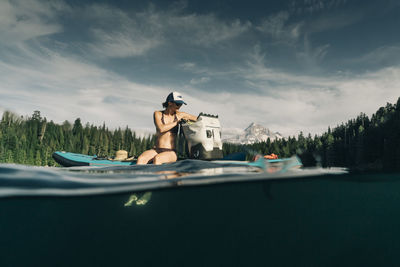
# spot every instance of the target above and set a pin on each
(172, 174)
(138, 199)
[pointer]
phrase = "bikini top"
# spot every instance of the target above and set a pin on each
(173, 130)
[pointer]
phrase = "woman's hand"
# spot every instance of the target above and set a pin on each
(184, 116)
(179, 116)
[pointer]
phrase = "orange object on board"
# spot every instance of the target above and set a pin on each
(271, 156)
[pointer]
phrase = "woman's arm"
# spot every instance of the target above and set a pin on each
(161, 127)
(186, 116)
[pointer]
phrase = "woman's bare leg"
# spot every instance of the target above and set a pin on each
(165, 157)
(146, 156)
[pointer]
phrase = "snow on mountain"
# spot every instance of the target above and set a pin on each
(254, 133)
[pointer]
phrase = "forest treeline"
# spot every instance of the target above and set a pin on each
(361, 143)
(32, 140)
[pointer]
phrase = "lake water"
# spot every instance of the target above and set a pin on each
(203, 215)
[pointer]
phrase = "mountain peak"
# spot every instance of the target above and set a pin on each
(253, 125)
(254, 133)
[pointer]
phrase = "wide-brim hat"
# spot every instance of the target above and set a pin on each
(175, 97)
(121, 155)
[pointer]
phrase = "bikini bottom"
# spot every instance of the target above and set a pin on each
(161, 150)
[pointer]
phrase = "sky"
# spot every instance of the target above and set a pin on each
(289, 65)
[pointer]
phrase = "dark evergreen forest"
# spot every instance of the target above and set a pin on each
(32, 140)
(362, 143)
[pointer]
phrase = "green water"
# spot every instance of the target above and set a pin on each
(351, 220)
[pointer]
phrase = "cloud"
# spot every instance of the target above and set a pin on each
(310, 56)
(286, 31)
(25, 20)
(200, 80)
(384, 56)
(122, 44)
(196, 69)
(279, 29)
(118, 33)
(262, 77)
(311, 103)
(187, 66)
(203, 30)
(315, 6)
(308, 17)
(43, 74)
(65, 88)
(294, 108)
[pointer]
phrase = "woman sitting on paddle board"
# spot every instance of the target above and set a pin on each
(166, 123)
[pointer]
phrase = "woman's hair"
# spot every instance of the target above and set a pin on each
(165, 104)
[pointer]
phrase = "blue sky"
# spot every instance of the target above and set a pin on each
(289, 65)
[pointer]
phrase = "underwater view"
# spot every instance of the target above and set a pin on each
(199, 133)
(209, 216)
